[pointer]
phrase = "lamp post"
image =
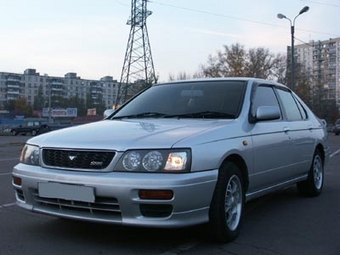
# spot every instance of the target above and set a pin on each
(292, 25)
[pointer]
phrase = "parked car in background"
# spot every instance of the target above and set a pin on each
(178, 154)
(336, 129)
(31, 127)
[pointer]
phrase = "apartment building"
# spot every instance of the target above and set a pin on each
(321, 60)
(15, 85)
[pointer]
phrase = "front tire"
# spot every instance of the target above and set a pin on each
(227, 204)
(313, 185)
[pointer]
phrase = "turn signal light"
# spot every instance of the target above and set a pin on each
(156, 194)
(17, 181)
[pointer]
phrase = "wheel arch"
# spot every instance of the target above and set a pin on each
(320, 148)
(240, 162)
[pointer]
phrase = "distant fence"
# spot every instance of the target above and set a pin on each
(7, 123)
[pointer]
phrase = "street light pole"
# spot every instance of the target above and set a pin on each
(292, 30)
(49, 103)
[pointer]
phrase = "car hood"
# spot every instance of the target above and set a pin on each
(124, 134)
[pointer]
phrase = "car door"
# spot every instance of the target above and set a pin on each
(28, 126)
(301, 133)
(272, 143)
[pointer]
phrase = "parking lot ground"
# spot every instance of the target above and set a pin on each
(11, 146)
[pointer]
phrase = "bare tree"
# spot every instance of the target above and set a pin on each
(279, 69)
(236, 61)
(230, 62)
(259, 63)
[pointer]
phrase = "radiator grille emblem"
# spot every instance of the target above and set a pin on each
(71, 157)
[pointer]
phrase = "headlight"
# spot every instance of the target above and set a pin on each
(30, 155)
(156, 161)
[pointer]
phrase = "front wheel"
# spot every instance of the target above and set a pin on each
(34, 132)
(313, 185)
(227, 204)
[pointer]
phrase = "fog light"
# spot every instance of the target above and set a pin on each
(156, 194)
(17, 181)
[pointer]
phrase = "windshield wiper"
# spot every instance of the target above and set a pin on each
(203, 114)
(142, 115)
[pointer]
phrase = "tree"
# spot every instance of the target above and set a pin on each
(302, 84)
(180, 76)
(279, 70)
(231, 62)
(235, 61)
(9, 105)
(39, 100)
(19, 107)
(259, 63)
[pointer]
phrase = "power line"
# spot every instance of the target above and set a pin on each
(304, 42)
(238, 18)
(322, 3)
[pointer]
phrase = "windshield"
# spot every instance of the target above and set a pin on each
(197, 99)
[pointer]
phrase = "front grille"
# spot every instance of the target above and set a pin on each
(77, 159)
(103, 209)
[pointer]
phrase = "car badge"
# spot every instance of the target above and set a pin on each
(71, 157)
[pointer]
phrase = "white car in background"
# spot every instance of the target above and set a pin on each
(177, 154)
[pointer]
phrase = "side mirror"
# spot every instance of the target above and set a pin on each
(108, 112)
(267, 113)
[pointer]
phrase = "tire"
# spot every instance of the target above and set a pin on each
(14, 132)
(34, 132)
(313, 185)
(227, 204)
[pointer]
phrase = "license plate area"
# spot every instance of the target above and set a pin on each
(66, 191)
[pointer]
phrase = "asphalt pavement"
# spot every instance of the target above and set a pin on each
(11, 146)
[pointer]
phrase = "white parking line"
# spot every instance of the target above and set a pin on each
(5, 173)
(7, 205)
(335, 153)
(9, 159)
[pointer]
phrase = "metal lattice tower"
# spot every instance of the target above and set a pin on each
(138, 69)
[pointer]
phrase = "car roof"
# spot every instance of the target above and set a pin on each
(246, 79)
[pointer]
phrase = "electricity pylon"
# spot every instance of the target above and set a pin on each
(138, 70)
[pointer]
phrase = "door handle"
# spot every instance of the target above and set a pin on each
(286, 129)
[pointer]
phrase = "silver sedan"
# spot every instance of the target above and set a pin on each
(178, 154)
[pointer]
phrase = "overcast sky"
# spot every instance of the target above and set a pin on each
(89, 37)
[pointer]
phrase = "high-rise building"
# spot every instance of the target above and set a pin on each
(321, 60)
(15, 85)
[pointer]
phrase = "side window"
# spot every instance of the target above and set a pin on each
(302, 111)
(290, 105)
(264, 96)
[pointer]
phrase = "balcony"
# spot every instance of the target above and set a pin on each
(57, 89)
(13, 78)
(15, 92)
(13, 86)
(12, 97)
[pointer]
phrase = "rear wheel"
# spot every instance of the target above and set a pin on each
(227, 204)
(34, 132)
(313, 185)
(14, 132)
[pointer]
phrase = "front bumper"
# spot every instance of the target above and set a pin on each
(113, 197)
